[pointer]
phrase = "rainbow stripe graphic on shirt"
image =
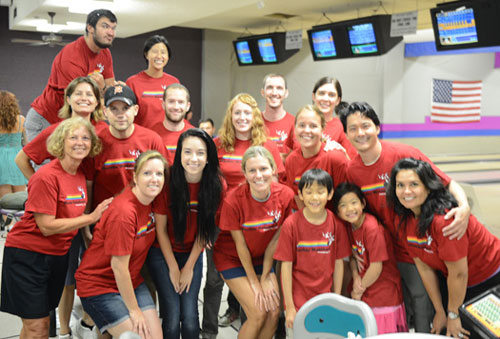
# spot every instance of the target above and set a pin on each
(145, 229)
(153, 94)
(97, 70)
(297, 179)
(193, 203)
(171, 148)
(274, 138)
(119, 162)
(229, 157)
(310, 244)
(255, 225)
(358, 249)
(373, 187)
(74, 197)
(416, 241)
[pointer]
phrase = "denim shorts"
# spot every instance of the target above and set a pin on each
(109, 310)
(237, 272)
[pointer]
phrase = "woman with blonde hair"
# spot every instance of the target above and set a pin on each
(250, 221)
(11, 138)
(35, 256)
(109, 281)
(242, 127)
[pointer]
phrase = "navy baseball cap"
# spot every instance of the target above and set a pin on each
(120, 93)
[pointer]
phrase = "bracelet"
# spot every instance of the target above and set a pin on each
(452, 315)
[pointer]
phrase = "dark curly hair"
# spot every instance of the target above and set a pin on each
(9, 110)
(438, 200)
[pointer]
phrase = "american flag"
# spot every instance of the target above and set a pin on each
(456, 101)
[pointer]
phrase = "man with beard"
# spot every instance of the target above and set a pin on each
(279, 123)
(89, 55)
(176, 104)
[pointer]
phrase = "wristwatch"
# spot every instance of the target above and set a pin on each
(452, 315)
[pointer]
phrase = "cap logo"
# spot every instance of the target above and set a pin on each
(118, 89)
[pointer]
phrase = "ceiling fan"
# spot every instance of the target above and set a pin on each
(50, 39)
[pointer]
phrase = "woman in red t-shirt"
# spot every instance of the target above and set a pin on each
(35, 256)
(251, 216)
(82, 98)
(195, 193)
(108, 280)
(149, 85)
(471, 264)
(242, 127)
(309, 126)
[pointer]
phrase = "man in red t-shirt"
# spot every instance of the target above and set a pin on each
(279, 123)
(122, 142)
(370, 170)
(176, 103)
(89, 55)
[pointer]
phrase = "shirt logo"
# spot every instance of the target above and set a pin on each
(101, 68)
(148, 228)
(358, 247)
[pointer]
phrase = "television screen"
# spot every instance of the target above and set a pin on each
(362, 39)
(243, 51)
(457, 27)
(266, 50)
(323, 44)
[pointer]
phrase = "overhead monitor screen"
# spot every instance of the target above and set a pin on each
(323, 44)
(457, 27)
(266, 49)
(362, 39)
(243, 51)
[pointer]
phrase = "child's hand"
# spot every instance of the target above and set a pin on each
(290, 317)
(356, 296)
(357, 288)
(360, 262)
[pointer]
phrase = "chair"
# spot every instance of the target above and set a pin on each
(12, 206)
(332, 316)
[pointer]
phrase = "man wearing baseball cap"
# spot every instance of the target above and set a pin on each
(122, 142)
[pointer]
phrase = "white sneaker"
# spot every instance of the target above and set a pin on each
(66, 336)
(83, 332)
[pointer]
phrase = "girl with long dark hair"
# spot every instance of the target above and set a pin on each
(185, 226)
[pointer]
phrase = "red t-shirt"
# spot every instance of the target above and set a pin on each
(230, 162)
(112, 170)
(169, 138)
(334, 131)
(149, 93)
(279, 131)
(334, 162)
(127, 227)
(373, 243)
(36, 149)
(481, 248)
(259, 221)
(371, 179)
(52, 191)
(191, 222)
(74, 60)
(313, 250)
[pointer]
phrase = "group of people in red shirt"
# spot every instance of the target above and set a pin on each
(307, 192)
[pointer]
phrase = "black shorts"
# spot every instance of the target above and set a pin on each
(32, 282)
